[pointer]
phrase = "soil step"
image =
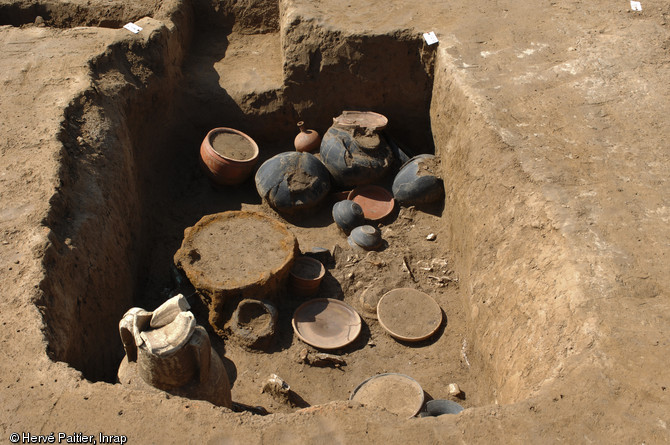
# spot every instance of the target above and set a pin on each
(235, 76)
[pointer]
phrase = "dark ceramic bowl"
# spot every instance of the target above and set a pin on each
(348, 215)
(366, 237)
(442, 406)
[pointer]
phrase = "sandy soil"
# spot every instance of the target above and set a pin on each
(551, 251)
(233, 146)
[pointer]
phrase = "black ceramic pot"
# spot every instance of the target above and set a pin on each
(293, 181)
(417, 182)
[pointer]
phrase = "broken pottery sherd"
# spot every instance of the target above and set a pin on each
(166, 312)
(170, 337)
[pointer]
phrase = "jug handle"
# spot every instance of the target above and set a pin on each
(130, 326)
(202, 351)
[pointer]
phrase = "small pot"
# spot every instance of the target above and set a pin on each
(348, 215)
(254, 323)
(366, 237)
(306, 140)
(223, 169)
(305, 277)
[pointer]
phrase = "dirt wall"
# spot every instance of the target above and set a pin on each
(243, 16)
(67, 14)
(517, 276)
(97, 218)
(327, 71)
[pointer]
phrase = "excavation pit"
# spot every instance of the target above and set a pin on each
(505, 258)
(231, 246)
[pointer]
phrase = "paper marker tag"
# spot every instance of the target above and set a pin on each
(430, 37)
(635, 6)
(132, 27)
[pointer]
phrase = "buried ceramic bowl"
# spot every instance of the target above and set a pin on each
(348, 215)
(366, 237)
(438, 407)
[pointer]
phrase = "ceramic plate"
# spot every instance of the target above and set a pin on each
(397, 393)
(409, 314)
(376, 202)
(365, 119)
(326, 323)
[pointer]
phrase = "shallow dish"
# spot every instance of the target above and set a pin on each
(362, 119)
(377, 202)
(409, 314)
(326, 323)
(397, 393)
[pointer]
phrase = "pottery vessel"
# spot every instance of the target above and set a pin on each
(292, 182)
(176, 357)
(306, 140)
(417, 182)
(254, 323)
(348, 215)
(366, 237)
(377, 202)
(306, 276)
(222, 169)
(353, 149)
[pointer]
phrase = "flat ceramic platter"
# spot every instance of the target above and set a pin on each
(326, 323)
(365, 119)
(409, 314)
(376, 202)
(397, 393)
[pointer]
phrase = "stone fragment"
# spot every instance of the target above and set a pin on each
(454, 390)
(277, 388)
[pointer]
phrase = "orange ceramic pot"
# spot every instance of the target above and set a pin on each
(306, 140)
(228, 156)
(306, 276)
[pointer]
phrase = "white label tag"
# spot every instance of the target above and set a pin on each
(430, 37)
(635, 6)
(132, 27)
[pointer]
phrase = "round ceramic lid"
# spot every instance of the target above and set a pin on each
(376, 202)
(409, 314)
(364, 119)
(397, 393)
(326, 323)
